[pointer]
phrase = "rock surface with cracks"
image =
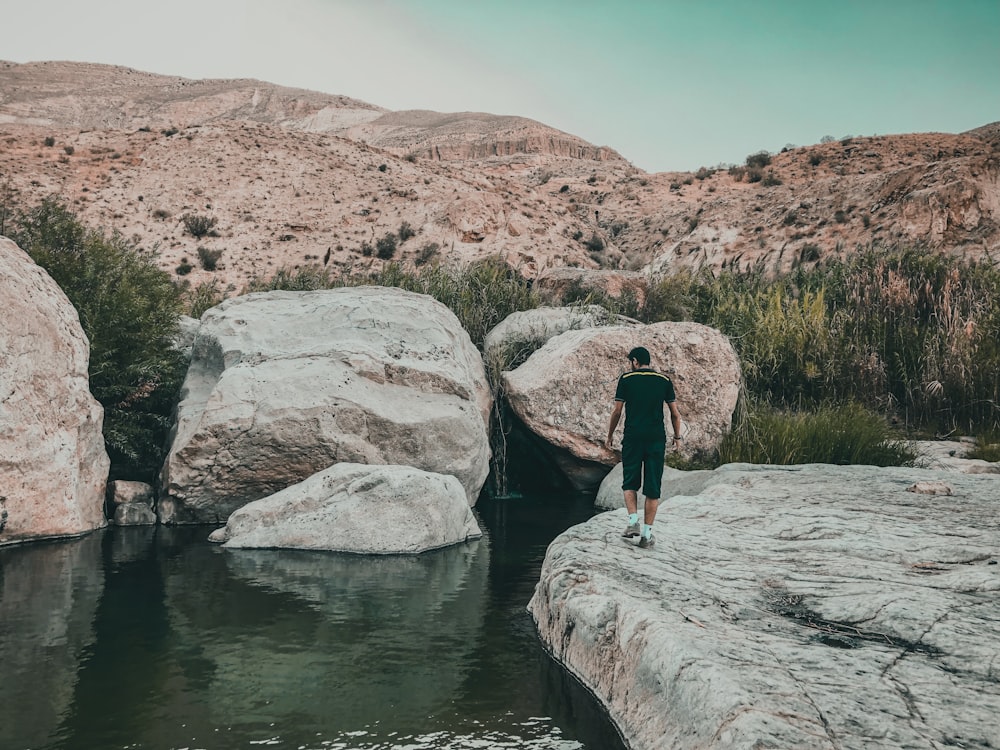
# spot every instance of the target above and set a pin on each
(808, 606)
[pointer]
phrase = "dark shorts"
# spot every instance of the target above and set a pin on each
(643, 459)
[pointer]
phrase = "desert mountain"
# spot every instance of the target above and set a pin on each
(292, 177)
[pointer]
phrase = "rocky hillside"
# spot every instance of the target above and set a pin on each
(272, 177)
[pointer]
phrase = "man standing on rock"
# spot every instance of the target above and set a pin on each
(643, 392)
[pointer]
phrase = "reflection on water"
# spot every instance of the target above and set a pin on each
(152, 638)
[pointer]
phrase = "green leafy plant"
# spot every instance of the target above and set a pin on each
(840, 434)
(198, 226)
(758, 160)
(202, 297)
(771, 179)
(209, 258)
(595, 244)
(129, 310)
(405, 231)
(987, 446)
(385, 246)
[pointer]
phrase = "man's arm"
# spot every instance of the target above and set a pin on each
(675, 421)
(616, 414)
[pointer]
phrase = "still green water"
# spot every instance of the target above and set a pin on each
(153, 638)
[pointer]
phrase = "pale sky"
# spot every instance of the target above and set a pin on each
(669, 84)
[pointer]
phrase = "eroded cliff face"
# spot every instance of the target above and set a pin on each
(298, 178)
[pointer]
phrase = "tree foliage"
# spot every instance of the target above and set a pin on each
(129, 310)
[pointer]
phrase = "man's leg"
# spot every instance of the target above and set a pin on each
(631, 474)
(632, 501)
(652, 475)
(649, 510)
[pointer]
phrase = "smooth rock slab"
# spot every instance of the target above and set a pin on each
(795, 607)
(361, 509)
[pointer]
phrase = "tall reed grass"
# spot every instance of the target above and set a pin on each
(837, 434)
(911, 334)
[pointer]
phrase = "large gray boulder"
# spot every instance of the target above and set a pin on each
(565, 391)
(283, 385)
(53, 465)
(358, 508)
(810, 606)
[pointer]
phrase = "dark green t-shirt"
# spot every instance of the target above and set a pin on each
(644, 393)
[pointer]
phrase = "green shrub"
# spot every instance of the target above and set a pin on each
(202, 297)
(405, 231)
(385, 246)
(129, 310)
(771, 179)
(595, 244)
(809, 253)
(842, 434)
(198, 226)
(987, 446)
(428, 251)
(184, 267)
(49, 141)
(209, 258)
(758, 160)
